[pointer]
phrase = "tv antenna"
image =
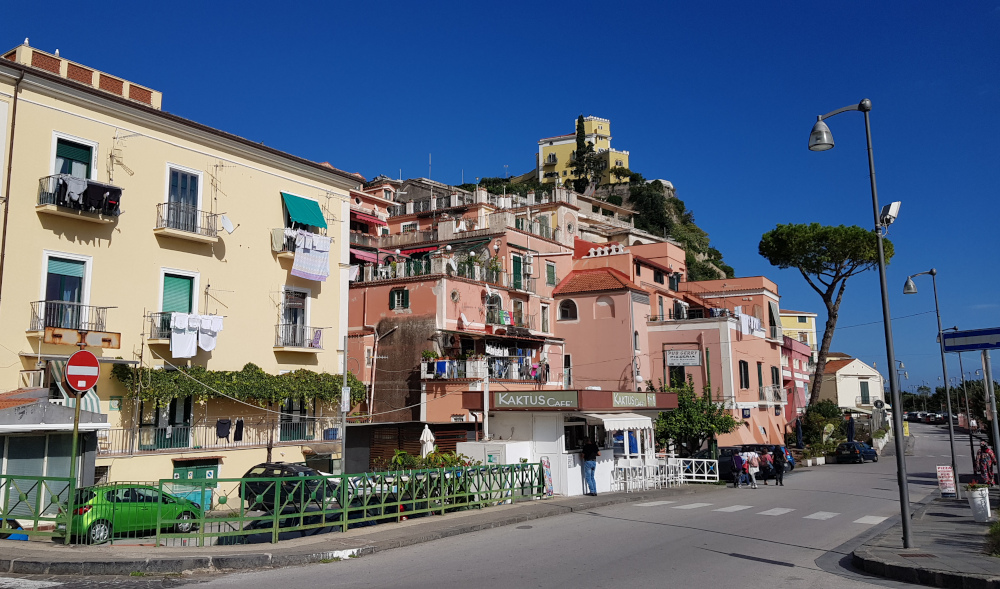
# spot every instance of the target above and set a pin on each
(116, 157)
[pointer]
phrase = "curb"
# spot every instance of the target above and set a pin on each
(864, 560)
(254, 560)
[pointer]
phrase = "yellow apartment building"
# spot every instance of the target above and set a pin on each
(163, 243)
(556, 154)
(801, 326)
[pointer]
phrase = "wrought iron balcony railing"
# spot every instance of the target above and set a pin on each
(183, 217)
(293, 335)
(67, 315)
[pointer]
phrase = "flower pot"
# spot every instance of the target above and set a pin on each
(979, 501)
(820, 460)
(809, 461)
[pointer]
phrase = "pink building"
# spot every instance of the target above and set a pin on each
(796, 372)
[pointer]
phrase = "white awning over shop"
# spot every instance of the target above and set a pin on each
(619, 421)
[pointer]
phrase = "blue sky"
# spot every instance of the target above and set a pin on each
(716, 97)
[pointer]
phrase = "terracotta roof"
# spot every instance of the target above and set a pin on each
(835, 365)
(7, 403)
(796, 312)
(594, 280)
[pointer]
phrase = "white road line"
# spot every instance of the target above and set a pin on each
(777, 511)
(9, 583)
(822, 515)
(691, 506)
(653, 503)
(870, 519)
(733, 508)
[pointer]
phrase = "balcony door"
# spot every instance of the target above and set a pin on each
(73, 159)
(182, 201)
(293, 319)
(516, 277)
(64, 293)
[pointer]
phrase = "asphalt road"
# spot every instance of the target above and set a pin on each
(799, 535)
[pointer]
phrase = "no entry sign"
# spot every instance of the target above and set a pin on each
(82, 371)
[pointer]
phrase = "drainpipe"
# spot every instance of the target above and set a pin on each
(10, 163)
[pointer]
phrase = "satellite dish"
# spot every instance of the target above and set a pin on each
(227, 224)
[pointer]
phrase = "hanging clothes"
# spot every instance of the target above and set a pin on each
(310, 262)
(238, 432)
(183, 337)
(209, 327)
(222, 428)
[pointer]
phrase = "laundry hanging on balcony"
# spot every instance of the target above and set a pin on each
(188, 332)
(312, 256)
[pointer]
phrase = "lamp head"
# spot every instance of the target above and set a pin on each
(820, 139)
(909, 287)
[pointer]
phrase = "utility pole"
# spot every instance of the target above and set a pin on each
(988, 377)
(486, 404)
(345, 406)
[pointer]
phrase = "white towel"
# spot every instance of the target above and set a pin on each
(184, 335)
(208, 333)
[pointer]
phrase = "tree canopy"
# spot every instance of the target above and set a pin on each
(695, 421)
(826, 256)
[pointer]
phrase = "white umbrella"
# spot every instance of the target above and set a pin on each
(426, 441)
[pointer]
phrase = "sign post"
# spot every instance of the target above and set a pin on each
(82, 372)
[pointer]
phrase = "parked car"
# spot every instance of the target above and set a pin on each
(291, 490)
(856, 452)
(102, 511)
(759, 448)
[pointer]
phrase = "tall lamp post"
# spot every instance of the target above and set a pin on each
(820, 139)
(910, 288)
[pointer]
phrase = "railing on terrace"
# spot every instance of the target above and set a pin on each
(364, 239)
(67, 315)
(95, 197)
(183, 217)
(150, 439)
(512, 367)
(770, 394)
(775, 332)
(442, 368)
(159, 325)
(502, 317)
(525, 283)
(403, 269)
(232, 511)
(407, 238)
(293, 335)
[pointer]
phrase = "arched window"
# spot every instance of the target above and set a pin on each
(604, 308)
(567, 310)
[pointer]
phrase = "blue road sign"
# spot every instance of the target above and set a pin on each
(973, 339)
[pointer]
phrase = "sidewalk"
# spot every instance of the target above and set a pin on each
(58, 559)
(948, 549)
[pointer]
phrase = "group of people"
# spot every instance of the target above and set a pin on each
(747, 465)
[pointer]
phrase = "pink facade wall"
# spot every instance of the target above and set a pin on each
(600, 340)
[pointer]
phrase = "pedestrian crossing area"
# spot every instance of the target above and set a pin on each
(868, 520)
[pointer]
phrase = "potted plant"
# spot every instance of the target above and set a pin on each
(978, 495)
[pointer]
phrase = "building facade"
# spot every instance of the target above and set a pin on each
(556, 155)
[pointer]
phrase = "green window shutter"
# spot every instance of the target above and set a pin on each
(177, 291)
(865, 395)
(392, 299)
(73, 151)
(550, 272)
(406, 299)
(65, 267)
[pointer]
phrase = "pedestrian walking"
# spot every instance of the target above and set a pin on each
(752, 460)
(590, 453)
(737, 468)
(986, 461)
(766, 465)
(780, 462)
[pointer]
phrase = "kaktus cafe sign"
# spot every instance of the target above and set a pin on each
(634, 399)
(535, 400)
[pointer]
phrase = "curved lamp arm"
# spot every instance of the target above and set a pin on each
(864, 106)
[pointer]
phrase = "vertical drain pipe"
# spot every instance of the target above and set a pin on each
(10, 163)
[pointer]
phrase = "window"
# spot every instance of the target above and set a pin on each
(516, 271)
(399, 298)
(675, 281)
(803, 320)
(294, 319)
(865, 395)
(744, 375)
(295, 424)
(638, 270)
(368, 357)
(661, 309)
(796, 364)
(567, 371)
(409, 227)
(550, 273)
(567, 311)
(518, 309)
(73, 158)
(775, 375)
(545, 318)
(677, 376)
(760, 374)
(657, 277)
(183, 199)
(635, 341)
(178, 294)
(604, 308)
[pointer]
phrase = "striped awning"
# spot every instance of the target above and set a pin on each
(365, 217)
(90, 401)
(363, 255)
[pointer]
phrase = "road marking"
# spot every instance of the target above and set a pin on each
(9, 583)
(733, 508)
(777, 511)
(870, 519)
(654, 503)
(822, 515)
(691, 506)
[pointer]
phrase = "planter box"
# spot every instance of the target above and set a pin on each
(820, 460)
(808, 462)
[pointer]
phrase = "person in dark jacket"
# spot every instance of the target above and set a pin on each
(590, 454)
(780, 461)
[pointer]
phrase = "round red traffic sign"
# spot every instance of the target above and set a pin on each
(82, 371)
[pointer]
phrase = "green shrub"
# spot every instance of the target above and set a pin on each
(993, 539)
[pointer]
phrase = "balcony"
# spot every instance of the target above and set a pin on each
(771, 394)
(501, 317)
(407, 238)
(364, 239)
(511, 367)
(551, 160)
(291, 337)
(67, 315)
(524, 283)
(87, 200)
(404, 269)
(149, 439)
(685, 313)
(775, 333)
(174, 219)
(452, 369)
(159, 328)
(863, 401)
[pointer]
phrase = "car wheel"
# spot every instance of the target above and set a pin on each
(186, 525)
(99, 532)
(875, 459)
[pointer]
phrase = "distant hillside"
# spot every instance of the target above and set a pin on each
(660, 213)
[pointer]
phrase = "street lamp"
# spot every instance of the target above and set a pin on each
(910, 288)
(821, 139)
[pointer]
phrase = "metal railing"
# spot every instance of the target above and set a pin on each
(293, 335)
(407, 238)
(513, 368)
(184, 217)
(97, 197)
(698, 470)
(525, 283)
(364, 239)
(770, 394)
(404, 269)
(514, 319)
(159, 325)
(150, 439)
(67, 315)
(232, 511)
(442, 368)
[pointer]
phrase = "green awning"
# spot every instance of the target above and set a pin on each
(304, 210)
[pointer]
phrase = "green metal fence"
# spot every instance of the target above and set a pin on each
(207, 512)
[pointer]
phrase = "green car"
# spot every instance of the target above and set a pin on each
(123, 509)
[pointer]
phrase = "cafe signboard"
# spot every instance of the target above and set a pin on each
(535, 400)
(637, 400)
(683, 357)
